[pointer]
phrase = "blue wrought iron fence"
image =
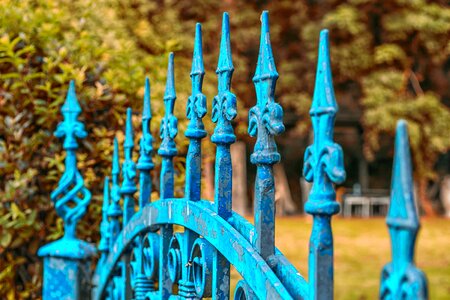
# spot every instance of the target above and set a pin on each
(142, 257)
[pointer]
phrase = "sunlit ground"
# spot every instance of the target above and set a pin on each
(362, 248)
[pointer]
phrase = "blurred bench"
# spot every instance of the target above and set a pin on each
(367, 204)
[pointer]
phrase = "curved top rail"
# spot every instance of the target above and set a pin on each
(197, 217)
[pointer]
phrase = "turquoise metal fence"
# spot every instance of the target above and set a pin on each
(140, 254)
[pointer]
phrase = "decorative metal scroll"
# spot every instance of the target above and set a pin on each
(71, 197)
(400, 279)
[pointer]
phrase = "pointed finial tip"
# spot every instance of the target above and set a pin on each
(323, 41)
(129, 125)
(115, 152)
(265, 21)
(401, 124)
(225, 22)
(402, 129)
(146, 110)
(170, 83)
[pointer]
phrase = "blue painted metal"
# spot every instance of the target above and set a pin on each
(114, 210)
(265, 121)
(67, 260)
(103, 246)
(223, 112)
(400, 279)
(167, 150)
(195, 111)
(145, 254)
(142, 257)
(323, 166)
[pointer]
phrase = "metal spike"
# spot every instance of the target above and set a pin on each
(71, 104)
(105, 198)
(265, 67)
(146, 110)
(115, 161)
(129, 141)
(225, 60)
(324, 91)
(402, 211)
(170, 95)
(197, 59)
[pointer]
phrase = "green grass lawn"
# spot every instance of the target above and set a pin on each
(361, 248)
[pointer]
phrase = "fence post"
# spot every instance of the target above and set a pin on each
(67, 261)
(323, 166)
(400, 279)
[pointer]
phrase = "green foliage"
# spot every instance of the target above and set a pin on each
(44, 44)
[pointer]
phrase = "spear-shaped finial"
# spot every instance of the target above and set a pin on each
(128, 187)
(265, 68)
(129, 136)
(196, 105)
(402, 211)
(115, 164)
(266, 117)
(169, 124)
(114, 210)
(324, 90)
(146, 110)
(224, 103)
(71, 104)
(71, 189)
(401, 278)
(170, 95)
(225, 63)
(71, 128)
(145, 163)
(197, 57)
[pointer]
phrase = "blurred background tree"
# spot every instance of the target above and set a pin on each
(390, 59)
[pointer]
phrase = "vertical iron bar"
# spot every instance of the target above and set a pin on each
(143, 284)
(167, 150)
(223, 112)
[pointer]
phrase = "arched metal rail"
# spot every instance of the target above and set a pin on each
(200, 217)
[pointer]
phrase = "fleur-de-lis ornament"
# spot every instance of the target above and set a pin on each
(71, 197)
